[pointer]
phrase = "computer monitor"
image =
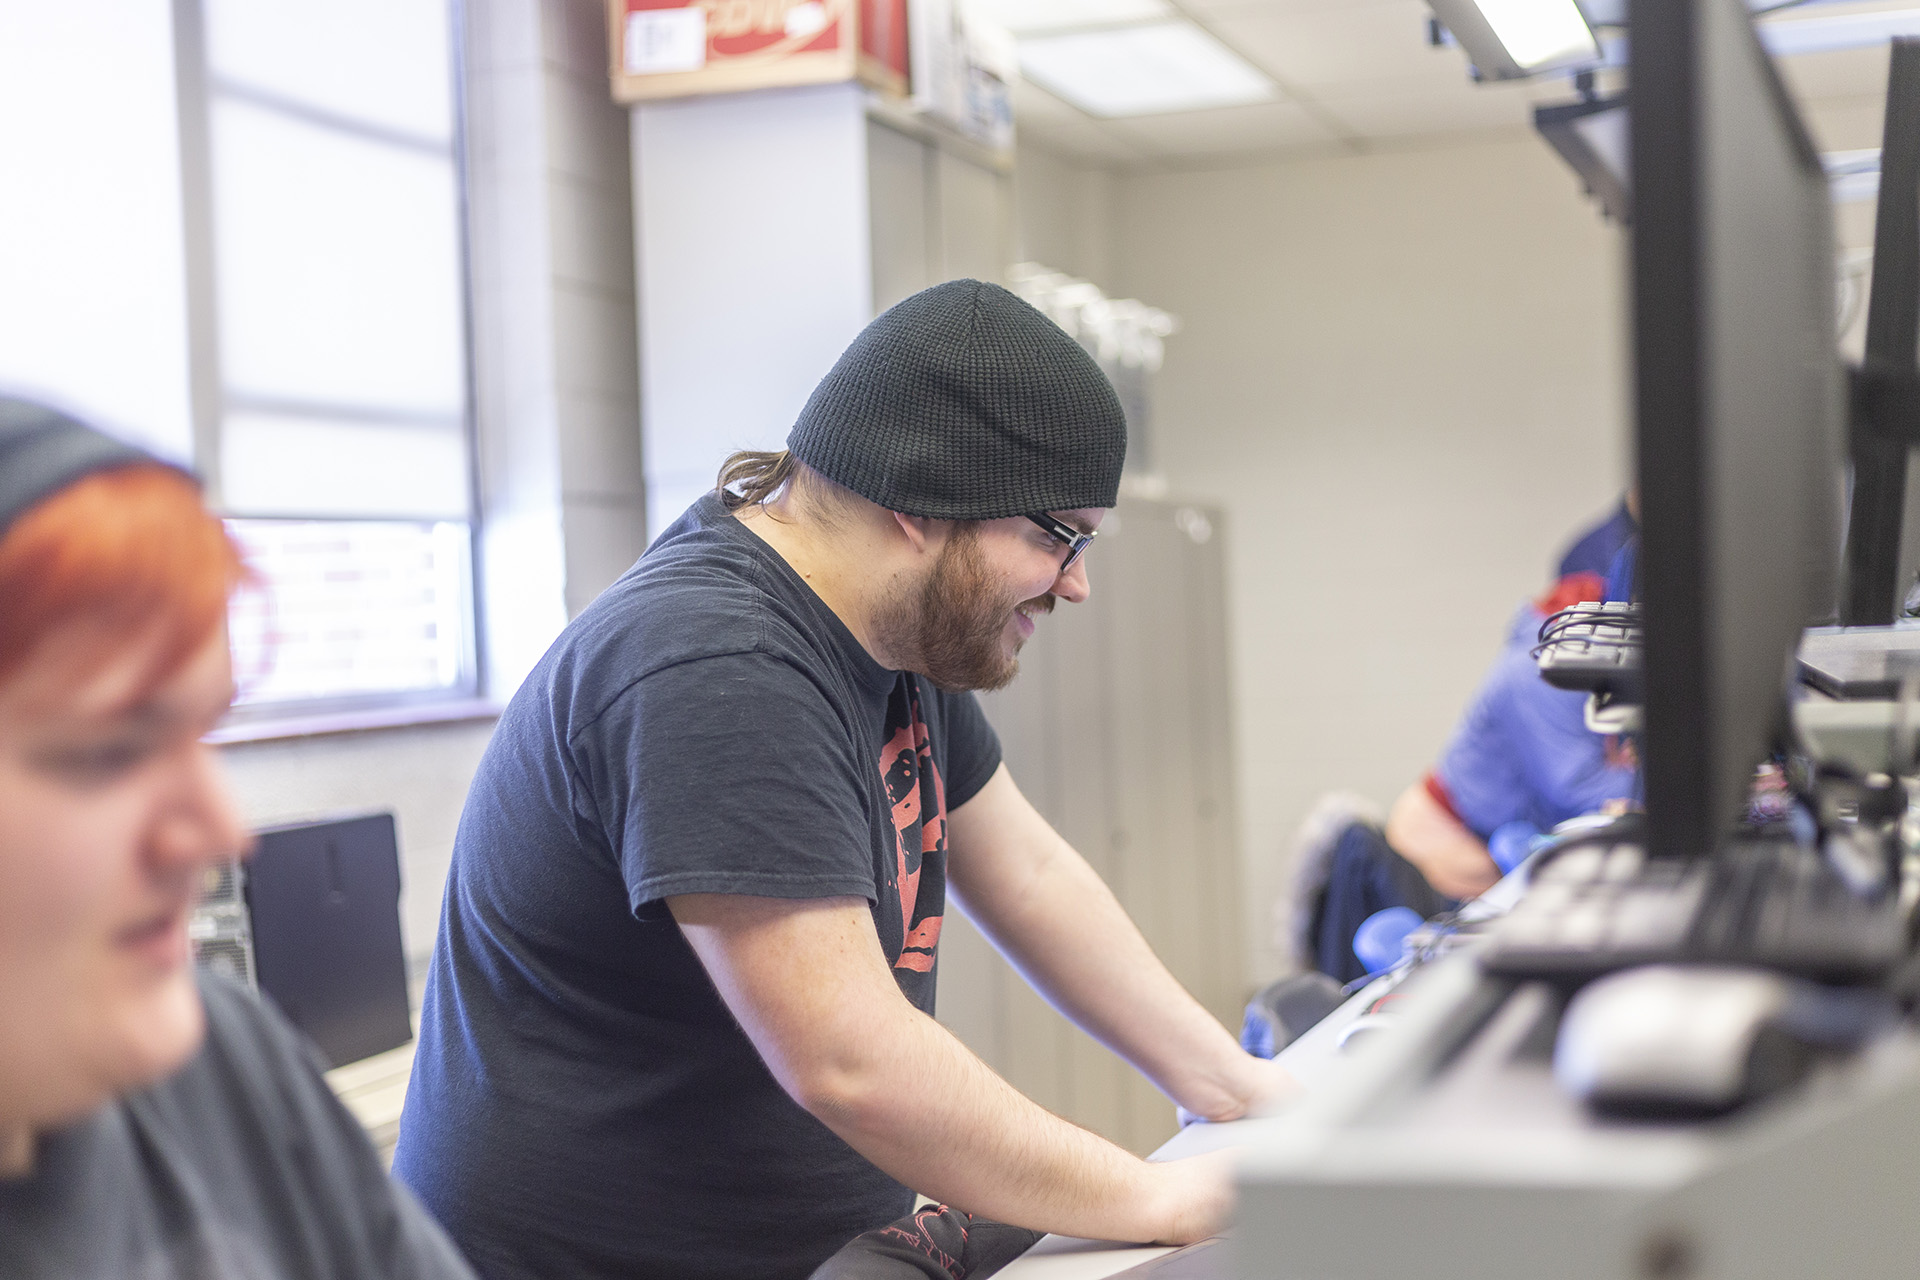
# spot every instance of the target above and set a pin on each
(1740, 402)
(325, 904)
(1881, 439)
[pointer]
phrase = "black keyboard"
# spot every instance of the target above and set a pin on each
(1592, 647)
(1604, 906)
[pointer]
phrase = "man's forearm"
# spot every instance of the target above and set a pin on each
(1050, 914)
(934, 1116)
(1099, 971)
(810, 988)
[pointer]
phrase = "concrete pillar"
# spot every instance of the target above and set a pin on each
(755, 270)
(554, 353)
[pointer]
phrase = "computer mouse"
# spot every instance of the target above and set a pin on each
(1680, 1040)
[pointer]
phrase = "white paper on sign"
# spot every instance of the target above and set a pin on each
(808, 19)
(660, 40)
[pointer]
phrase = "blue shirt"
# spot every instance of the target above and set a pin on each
(1523, 752)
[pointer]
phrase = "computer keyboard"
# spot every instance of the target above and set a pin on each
(1599, 907)
(1592, 647)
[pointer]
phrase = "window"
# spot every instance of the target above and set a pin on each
(358, 609)
(236, 240)
(91, 274)
(325, 289)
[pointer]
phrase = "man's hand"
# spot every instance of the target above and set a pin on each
(808, 983)
(1268, 1087)
(1199, 1195)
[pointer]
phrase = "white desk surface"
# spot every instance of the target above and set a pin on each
(1310, 1059)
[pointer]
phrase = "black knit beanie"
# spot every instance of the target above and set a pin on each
(43, 451)
(965, 403)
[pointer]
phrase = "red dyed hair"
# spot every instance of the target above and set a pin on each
(130, 552)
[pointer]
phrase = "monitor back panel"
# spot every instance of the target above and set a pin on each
(1740, 405)
(325, 901)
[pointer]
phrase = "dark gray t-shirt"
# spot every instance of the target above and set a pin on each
(583, 1103)
(241, 1166)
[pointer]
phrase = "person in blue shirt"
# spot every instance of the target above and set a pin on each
(1595, 550)
(1520, 762)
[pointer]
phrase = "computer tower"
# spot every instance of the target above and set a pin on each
(221, 928)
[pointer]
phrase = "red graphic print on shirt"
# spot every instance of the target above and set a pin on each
(919, 803)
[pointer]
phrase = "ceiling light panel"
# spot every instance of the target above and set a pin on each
(1826, 34)
(1019, 16)
(1149, 69)
(1538, 33)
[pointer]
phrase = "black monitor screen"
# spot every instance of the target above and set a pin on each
(1740, 405)
(1874, 585)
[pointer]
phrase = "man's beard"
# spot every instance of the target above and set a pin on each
(950, 629)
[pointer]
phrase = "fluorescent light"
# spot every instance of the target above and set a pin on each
(1142, 70)
(1853, 176)
(1512, 39)
(1784, 38)
(1538, 32)
(1019, 16)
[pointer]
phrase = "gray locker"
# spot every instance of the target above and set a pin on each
(1118, 730)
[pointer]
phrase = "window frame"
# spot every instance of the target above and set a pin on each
(196, 89)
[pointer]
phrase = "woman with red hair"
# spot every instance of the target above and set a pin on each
(153, 1122)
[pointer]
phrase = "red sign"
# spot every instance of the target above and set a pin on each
(678, 48)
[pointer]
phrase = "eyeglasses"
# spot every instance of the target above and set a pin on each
(1075, 541)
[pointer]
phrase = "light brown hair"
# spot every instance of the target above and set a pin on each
(753, 477)
(756, 474)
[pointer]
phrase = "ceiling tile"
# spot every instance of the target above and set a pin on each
(1144, 69)
(1843, 73)
(1207, 10)
(1384, 112)
(1061, 128)
(1366, 63)
(1362, 42)
(1265, 126)
(1846, 124)
(1053, 15)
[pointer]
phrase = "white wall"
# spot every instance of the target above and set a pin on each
(1403, 376)
(754, 266)
(1064, 214)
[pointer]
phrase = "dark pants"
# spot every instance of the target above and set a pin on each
(1366, 876)
(936, 1243)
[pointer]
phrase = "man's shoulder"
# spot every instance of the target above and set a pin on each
(703, 590)
(706, 595)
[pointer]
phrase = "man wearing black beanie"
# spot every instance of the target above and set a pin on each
(679, 1016)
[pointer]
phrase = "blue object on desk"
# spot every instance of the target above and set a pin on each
(1287, 1009)
(1512, 844)
(1256, 1033)
(1381, 938)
